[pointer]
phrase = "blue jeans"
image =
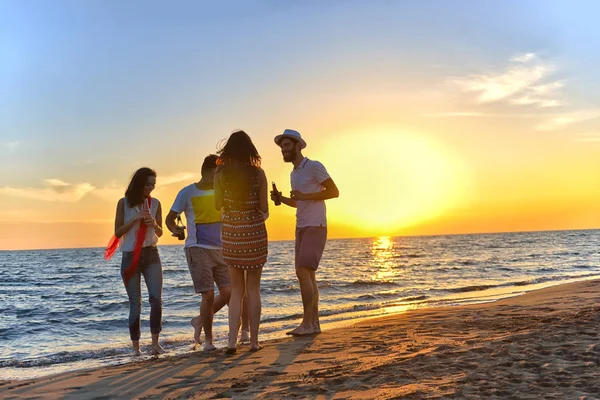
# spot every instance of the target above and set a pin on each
(151, 267)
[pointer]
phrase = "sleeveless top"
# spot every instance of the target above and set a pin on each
(128, 239)
(244, 235)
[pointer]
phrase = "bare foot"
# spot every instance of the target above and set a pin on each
(255, 348)
(157, 349)
(197, 324)
(301, 331)
(244, 336)
(135, 351)
(209, 346)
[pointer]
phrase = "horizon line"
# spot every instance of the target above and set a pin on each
(343, 238)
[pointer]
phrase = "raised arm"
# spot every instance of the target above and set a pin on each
(170, 222)
(330, 191)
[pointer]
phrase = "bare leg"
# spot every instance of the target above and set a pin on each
(197, 324)
(206, 318)
(307, 292)
(222, 299)
(245, 336)
(135, 348)
(315, 310)
(156, 348)
(219, 302)
(254, 305)
(235, 305)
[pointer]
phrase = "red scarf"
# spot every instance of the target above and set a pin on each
(137, 248)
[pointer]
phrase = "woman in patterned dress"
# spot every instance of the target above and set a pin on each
(241, 191)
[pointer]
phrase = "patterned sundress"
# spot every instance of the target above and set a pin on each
(244, 233)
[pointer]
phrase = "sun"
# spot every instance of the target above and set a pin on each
(390, 180)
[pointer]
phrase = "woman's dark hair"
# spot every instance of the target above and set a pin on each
(135, 190)
(240, 162)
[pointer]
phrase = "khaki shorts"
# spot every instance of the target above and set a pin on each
(207, 268)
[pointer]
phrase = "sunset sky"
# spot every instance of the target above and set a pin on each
(432, 117)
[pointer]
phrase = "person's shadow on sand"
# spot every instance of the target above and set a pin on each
(213, 374)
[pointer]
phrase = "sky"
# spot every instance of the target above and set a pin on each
(432, 117)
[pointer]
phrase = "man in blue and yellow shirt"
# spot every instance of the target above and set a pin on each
(203, 248)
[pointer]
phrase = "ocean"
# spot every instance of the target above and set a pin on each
(67, 309)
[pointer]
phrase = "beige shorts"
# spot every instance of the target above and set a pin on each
(207, 268)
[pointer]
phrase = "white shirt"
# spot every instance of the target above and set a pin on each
(128, 239)
(308, 178)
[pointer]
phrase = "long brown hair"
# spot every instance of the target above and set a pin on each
(135, 190)
(240, 162)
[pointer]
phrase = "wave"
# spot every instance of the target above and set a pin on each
(64, 357)
(283, 318)
(113, 306)
(545, 279)
(287, 289)
(446, 269)
(409, 255)
(566, 253)
(533, 281)
(546, 269)
(174, 271)
(374, 282)
(473, 288)
(393, 294)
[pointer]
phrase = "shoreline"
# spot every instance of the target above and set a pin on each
(181, 344)
(400, 354)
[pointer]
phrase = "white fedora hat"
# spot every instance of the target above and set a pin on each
(292, 134)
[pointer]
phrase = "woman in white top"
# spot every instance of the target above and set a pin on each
(135, 209)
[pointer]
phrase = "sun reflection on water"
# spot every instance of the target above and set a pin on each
(383, 253)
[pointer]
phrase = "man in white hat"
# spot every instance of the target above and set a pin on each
(311, 186)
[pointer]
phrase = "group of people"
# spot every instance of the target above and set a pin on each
(225, 238)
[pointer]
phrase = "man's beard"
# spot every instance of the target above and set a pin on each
(289, 156)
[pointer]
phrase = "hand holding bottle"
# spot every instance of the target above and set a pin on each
(275, 195)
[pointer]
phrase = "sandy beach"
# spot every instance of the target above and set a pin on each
(544, 344)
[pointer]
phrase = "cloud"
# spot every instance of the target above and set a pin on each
(523, 82)
(14, 215)
(524, 58)
(589, 137)
(55, 191)
(177, 177)
(456, 114)
(10, 147)
(43, 217)
(110, 192)
(76, 221)
(563, 120)
(114, 191)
